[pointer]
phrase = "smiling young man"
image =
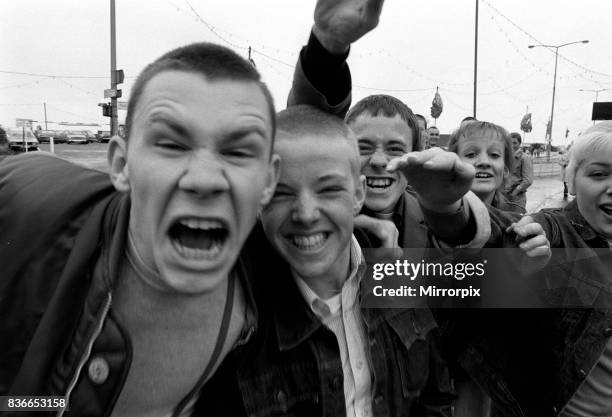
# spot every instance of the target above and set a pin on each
(318, 350)
(135, 287)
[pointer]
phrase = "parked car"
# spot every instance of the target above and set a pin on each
(103, 136)
(78, 138)
(62, 136)
(44, 136)
(18, 138)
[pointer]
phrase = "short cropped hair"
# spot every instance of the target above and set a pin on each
(388, 106)
(214, 62)
(477, 127)
(595, 141)
(305, 120)
(517, 136)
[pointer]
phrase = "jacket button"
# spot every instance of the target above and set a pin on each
(582, 374)
(379, 399)
(608, 332)
(98, 370)
(281, 398)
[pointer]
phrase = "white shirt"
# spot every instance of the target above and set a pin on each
(342, 315)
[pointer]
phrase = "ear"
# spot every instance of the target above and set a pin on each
(271, 179)
(117, 162)
(360, 194)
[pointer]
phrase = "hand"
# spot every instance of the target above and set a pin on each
(339, 23)
(439, 177)
(384, 230)
(532, 240)
(515, 192)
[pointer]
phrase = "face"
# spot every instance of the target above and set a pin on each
(310, 218)
(486, 153)
(433, 134)
(197, 167)
(516, 145)
(593, 186)
(380, 140)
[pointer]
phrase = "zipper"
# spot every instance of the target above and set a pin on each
(85, 357)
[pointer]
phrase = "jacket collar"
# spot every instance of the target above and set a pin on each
(294, 319)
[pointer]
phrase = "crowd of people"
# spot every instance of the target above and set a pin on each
(218, 268)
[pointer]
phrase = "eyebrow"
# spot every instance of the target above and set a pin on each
(331, 177)
(246, 130)
(170, 123)
(599, 164)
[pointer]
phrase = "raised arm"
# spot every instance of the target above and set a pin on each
(322, 77)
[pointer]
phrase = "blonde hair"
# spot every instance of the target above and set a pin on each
(595, 140)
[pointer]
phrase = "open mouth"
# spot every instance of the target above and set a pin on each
(484, 175)
(606, 208)
(198, 238)
(380, 183)
(308, 243)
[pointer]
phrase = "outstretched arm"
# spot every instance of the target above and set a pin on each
(441, 180)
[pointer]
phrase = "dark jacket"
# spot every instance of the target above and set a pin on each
(578, 282)
(292, 367)
(62, 230)
(530, 361)
(501, 202)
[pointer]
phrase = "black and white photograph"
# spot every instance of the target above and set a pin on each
(354, 208)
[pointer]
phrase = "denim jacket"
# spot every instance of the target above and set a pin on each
(292, 365)
(529, 361)
(579, 282)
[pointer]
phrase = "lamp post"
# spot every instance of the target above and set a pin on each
(552, 109)
(596, 93)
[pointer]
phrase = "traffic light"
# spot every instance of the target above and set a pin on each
(119, 76)
(106, 110)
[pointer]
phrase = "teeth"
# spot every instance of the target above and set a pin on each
(483, 175)
(201, 224)
(195, 253)
(309, 242)
(379, 182)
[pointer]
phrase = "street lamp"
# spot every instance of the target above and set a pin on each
(552, 109)
(596, 92)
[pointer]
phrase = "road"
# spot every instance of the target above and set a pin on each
(545, 192)
(92, 155)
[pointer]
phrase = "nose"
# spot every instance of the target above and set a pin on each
(204, 175)
(305, 210)
(609, 189)
(482, 160)
(379, 159)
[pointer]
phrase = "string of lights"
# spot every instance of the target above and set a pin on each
(541, 43)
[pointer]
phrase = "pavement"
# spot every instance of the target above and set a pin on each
(546, 192)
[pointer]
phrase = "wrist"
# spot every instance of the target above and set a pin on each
(451, 208)
(332, 45)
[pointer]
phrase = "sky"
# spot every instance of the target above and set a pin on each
(62, 50)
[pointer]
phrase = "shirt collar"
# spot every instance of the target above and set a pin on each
(294, 316)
